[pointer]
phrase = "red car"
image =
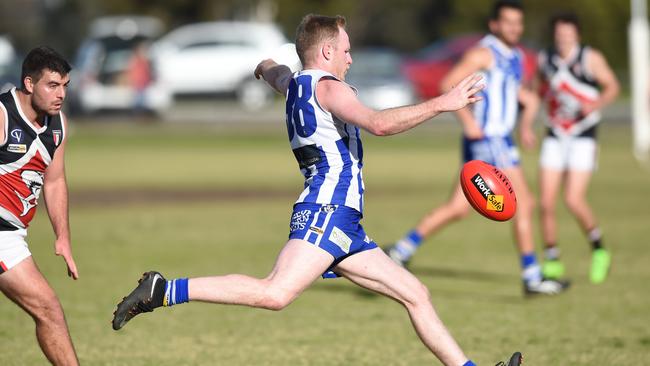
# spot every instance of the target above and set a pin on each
(427, 69)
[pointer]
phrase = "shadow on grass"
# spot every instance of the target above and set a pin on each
(461, 274)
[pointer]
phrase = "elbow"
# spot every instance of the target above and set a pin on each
(379, 127)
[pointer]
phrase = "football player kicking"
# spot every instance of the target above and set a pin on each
(324, 118)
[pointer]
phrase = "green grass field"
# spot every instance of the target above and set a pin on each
(202, 200)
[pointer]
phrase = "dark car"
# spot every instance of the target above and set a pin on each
(430, 65)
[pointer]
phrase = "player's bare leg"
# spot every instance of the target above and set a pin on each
(575, 197)
(456, 208)
(550, 181)
(523, 233)
(375, 271)
(297, 266)
(25, 285)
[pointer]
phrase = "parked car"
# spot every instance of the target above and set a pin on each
(377, 73)
(430, 65)
(9, 65)
(100, 74)
(216, 58)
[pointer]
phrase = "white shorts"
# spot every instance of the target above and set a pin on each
(13, 248)
(569, 153)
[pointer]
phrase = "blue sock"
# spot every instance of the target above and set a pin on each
(531, 271)
(528, 260)
(415, 237)
(469, 363)
(407, 246)
(176, 292)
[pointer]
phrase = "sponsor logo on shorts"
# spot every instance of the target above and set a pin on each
(482, 186)
(299, 220)
(367, 239)
(17, 148)
(339, 238)
(317, 230)
(495, 202)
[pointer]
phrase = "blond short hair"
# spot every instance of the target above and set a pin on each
(314, 29)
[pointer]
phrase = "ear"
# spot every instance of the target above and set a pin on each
(29, 84)
(327, 51)
(492, 25)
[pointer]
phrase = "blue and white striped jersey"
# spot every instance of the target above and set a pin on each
(328, 150)
(497, 112)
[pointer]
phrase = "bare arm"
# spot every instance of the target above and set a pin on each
(2, 125)
(55, 190)
(341, 101)
(530, 103)
(277, 76)
(474, 60)
(605, 78)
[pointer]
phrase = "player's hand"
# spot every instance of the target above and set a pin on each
(62, 248)
(262, 67)
(587, 108)
(528, 138)
(462, 94)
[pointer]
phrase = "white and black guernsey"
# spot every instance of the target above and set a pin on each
(568, 85)
(25, 154)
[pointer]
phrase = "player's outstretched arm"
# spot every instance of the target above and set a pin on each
(277, 76)
(337, 98)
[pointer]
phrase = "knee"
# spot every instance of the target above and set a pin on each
(573, 203)
(526, 203)
(277, 300)
(547, 207)
(418, 296)
(46, 310)
(458, 210)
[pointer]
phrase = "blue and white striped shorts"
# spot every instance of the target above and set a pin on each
(333, 228)
(498, 151)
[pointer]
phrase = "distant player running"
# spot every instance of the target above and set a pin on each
(571, 76)
(32, 140)
(324, 118)
(487, 136)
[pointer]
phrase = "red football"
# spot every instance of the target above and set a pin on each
(488, 190)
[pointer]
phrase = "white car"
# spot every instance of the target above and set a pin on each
(99, 79)
(217, 57)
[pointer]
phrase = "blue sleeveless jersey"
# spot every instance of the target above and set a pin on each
(496, 114)
(328, 150)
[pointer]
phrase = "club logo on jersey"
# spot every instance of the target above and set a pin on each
(328, 208)
(17, 148)
(57, 137)
(482, 186)
(495, 203)
(17, 135)
(34, 181)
